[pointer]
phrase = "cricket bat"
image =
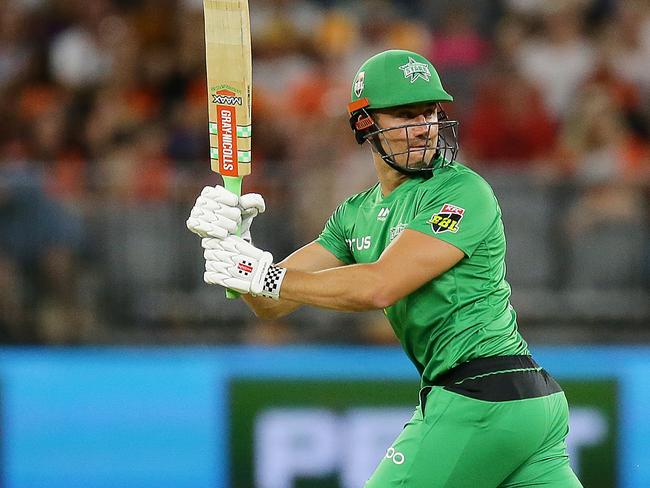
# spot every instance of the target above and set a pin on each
(230, 73)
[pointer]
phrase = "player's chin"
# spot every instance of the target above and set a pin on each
(419, 158)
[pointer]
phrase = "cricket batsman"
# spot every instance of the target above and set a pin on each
(426, 244)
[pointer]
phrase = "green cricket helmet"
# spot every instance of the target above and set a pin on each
(398, 78)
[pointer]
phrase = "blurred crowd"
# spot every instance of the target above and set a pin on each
(104, 146)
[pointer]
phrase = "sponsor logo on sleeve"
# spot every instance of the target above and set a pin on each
(447, 219)
(397, 230)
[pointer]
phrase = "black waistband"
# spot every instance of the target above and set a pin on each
(499, 378)
(483, 366)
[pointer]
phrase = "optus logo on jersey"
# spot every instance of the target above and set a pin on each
(359, 243)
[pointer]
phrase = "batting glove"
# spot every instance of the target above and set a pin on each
(234, 263)
(251, 205)
(216, 213)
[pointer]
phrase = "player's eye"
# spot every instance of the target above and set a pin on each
(431, 114)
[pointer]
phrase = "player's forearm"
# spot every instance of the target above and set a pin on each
(350, 288)
(268, 309)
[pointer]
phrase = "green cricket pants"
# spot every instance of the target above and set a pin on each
(496, 423)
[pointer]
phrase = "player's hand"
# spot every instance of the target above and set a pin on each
(251, 205)
(234, 263)
(216, 213)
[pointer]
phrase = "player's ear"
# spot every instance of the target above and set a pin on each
(361, 120)
(442, 115)
(362, 124)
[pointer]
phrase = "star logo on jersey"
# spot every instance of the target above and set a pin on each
(447, 219)
(414, 70)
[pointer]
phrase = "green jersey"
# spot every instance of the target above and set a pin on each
(462, 314)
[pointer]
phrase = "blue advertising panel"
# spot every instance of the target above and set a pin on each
(134, 417)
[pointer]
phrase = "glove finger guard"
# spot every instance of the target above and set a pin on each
(219, 194)
(252, 204)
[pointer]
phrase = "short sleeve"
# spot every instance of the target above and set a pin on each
(333, 236)
(462, 215)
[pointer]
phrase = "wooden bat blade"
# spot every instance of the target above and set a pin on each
(229, 74)
(229, 70)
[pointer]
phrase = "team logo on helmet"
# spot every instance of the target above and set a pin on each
(414, 70)
(359, 83)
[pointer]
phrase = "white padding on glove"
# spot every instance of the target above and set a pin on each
(216, 213)
(251, 205)
(234, 263)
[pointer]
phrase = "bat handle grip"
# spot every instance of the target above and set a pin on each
(233, 184)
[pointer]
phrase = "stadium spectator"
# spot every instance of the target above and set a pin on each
(16, 50)
(560, 57)
(610, 164)
(502, 130)
(627, 40)
(460, 52)
(39, 246)
(77, 55)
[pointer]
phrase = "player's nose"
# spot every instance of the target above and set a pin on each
(419, 130)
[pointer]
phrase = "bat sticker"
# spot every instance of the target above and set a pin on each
(225, 97)
(227, 134)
